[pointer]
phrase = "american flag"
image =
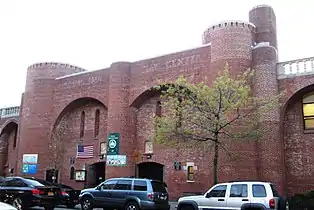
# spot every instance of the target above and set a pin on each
(85, 151)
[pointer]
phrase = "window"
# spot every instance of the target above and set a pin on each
(158, 109)
(140, 185)
(123, 185)
(15, 138)
(82, 127)
(109, 185)
(275, 192)
(190, 173)
(238, 190)
(219, 191)
(159, 186)
(15, 183)
(308, 110)
(96, 132)
(259, 191)
(72, 173)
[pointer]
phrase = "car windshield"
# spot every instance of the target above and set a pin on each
(159, 186)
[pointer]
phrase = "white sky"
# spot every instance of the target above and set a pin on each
(94, 33)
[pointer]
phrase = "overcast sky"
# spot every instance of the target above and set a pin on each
(94, 33)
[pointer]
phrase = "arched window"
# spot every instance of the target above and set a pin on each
(82, 127)
(308, 111)
(72, 173)
(97, 114)
(15, 138)
(158, 109)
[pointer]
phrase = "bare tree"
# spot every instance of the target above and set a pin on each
(56, 146)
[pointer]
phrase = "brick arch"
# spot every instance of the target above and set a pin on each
(8, 123)
(73, 104)
(298, 92)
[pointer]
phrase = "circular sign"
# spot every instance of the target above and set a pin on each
(112, 143)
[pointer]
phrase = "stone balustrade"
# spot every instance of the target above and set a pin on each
(9, 112)
(294, 68)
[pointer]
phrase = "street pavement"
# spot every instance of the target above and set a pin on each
(78, 207)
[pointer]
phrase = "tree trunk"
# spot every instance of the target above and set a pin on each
(215, 166)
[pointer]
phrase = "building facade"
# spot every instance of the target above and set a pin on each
(118, 102)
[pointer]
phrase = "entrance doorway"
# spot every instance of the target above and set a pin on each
(96, 174)
(151, 170)
(52, 175)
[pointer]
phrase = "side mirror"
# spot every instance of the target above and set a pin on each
(207, 195)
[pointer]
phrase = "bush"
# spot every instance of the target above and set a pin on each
(302, 201)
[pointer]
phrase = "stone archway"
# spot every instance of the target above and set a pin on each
(8, 147)
(86, 124)
(298, 146)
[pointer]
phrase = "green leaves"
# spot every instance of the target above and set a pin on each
(225, 109)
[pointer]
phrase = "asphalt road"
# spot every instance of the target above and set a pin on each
(78, 207)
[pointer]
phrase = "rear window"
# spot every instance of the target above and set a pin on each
(275, 192)
(43, 182)
(159, 186)
(34, 183)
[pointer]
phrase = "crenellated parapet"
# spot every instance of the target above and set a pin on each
(294, 68)
(55, 65)
(231, 24)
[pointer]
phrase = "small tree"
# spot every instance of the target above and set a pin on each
(227, 110)
(56, 146)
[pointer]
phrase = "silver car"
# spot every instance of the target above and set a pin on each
(5, 206)
(237, 195)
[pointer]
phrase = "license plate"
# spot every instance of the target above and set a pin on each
(50, 193)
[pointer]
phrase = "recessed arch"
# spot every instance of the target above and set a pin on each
(74, 104)
(150, 170)
(8, 124)
(296, 96)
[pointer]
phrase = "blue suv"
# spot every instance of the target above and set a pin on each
(126, 193)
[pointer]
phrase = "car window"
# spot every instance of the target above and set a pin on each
(34, 183)
(109, 185)
(123, 185)
(140, 185)
(275, 192)
(219, 191)
(43, 182)
(238, 190)
(15, 183)
(159, 186)
(259, 191)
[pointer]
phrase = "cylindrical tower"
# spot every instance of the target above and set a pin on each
(120, 116)
(231, 42)
(264, 18)
(37, 108)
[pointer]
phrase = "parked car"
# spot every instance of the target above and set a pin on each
(23, 193)
(69, 196)
(5, 206)
(242, 195)
(126, 193)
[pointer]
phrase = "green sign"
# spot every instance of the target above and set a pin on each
(113, 143)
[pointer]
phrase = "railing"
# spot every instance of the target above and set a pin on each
(300, 67)
(9, 112)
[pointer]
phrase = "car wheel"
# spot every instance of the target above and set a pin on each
(186, 207)
(87, 203)
(71, 205)
(50, 207)
(131, 206)
(18, 203)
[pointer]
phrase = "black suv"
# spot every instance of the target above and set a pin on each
(126, 193)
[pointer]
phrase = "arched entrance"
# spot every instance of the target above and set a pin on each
(52, 175)
(150, 170)
(8, 145)
(96, 174)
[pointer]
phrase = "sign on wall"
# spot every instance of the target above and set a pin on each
(29, 165)
(113, 143)
(116, 160)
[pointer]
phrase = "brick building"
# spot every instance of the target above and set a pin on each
(118, 100)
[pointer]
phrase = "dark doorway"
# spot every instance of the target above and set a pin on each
(96, 174)
(150, 170)
(52, 175)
